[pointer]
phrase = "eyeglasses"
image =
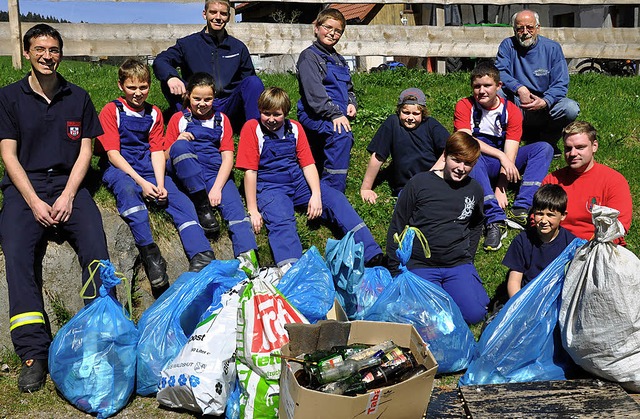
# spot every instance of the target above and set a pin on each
(333, 30)
(528, 28)
(40, 51)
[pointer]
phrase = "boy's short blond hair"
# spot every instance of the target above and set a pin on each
(134, 69)
(331, 13)
(273, 99)
(580, 127)
(225, 2)
(485, 68)
(463, 147)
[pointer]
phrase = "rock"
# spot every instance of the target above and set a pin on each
(62, 273)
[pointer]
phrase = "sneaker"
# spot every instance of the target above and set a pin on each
(517, 218)
(249, 263)
(33, 375)
(495, 232)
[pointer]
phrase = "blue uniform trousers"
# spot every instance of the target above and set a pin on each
(242, 104)
(24, 245)
(464, 285)
(196, 177)
(277, 202)
(532, 161)
(133, 210)
(331, 151)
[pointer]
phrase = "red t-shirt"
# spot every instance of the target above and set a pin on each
(252, 139)
(178, 124)
(110, 120)
(599, 185)
(463, 119)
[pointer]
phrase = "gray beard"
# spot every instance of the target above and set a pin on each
(526, 43)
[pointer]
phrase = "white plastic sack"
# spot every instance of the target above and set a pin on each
(201, 376)
(600, 312)
(262, 314)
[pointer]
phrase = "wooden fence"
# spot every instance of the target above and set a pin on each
(83, 39)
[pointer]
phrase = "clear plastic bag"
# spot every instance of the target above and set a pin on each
(434, 314)
(520, 344)
(308, 285)
(165, 326)
(600, 312)
(92, 359)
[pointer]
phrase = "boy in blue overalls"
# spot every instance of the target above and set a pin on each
(497, 125)
(327, 101)
(135, 173)
(280, 175)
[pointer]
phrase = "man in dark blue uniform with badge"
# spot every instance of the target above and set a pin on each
(46, 127)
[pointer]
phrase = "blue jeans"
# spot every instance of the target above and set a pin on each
(464, 285)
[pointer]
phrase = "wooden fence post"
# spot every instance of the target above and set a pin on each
(442, 62)
(16, 35)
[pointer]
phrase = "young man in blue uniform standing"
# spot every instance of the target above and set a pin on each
(327, 100)
(215, 52)
(46, 127)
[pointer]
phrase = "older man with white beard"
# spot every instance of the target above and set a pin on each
(535, 76)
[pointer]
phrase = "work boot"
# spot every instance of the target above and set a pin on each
(206, 216)
(32, 375)
(249, 263)
(154, 265)
(200, 260)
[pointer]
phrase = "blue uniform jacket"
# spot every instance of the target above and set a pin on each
(542, 68)
(228, 61)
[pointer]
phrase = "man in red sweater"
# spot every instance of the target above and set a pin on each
(588, 182)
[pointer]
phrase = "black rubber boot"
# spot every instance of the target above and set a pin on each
(154, 265)
(32, 375)
(206, 216)
(201, 260)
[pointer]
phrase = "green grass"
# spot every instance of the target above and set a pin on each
(610, 103)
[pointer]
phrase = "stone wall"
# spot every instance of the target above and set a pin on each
(62, 274)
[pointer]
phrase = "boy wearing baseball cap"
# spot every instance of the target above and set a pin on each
(412, 139)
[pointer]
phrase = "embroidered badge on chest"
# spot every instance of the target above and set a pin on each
(73, 130)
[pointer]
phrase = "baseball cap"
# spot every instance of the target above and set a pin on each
(412, 96)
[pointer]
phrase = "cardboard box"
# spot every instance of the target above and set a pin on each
(408, 399)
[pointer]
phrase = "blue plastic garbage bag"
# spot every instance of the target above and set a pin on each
(166, 325)
(308, 285)
(374, 281)
(522, 342)
(233, 402)
(345, 259)
(92, 359)
(414, 300)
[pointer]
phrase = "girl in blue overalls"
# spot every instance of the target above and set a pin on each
(200, 149)
(280, 176)
(327, 101)
(135, 173)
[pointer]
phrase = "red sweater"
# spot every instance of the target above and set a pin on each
(599, 185)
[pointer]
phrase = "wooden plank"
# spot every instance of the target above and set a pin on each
(590, 398)
(15, 41)
(265, 38)
(440, 2)
(445, 404)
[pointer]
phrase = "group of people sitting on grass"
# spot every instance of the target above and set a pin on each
(448, 186)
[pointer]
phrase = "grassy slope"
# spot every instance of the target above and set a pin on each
(610, 103)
